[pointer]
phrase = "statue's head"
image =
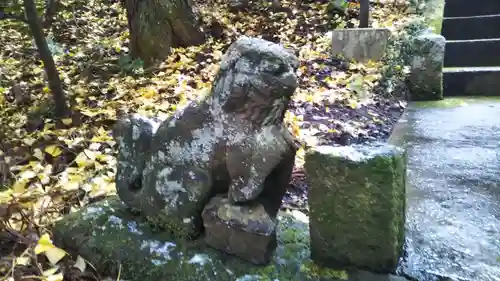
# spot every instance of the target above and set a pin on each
(256, 80)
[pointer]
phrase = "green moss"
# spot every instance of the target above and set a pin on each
(359, 205)
(454, 102)
(112, 239)
(312, 270)
(433, 13)
(176, 227)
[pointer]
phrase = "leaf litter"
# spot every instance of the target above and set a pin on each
(49, 169)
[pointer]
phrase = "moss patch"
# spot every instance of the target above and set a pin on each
(110, 238)
(357, 203)
(454, 102)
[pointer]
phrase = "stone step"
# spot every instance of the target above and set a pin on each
(466, 8)
(471, 81)
(468, 28)
(470, 53)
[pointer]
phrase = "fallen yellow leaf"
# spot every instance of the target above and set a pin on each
(67, 121)
(50, 271)
(22, 260)
(80, 263)
(85, 158)
(56, 277)
(43, 244)
(19, 187)
(54, 255)
(53, 150)
(38, 154)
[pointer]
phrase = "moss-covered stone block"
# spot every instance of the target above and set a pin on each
(426, 76)
(357, 205)
(113, 240)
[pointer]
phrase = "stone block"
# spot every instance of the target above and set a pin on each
(113, 240)
(246, 231)
(426, 77)
(357, 205)
(360, 44)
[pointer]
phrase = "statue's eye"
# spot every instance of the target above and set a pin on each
(275, 67)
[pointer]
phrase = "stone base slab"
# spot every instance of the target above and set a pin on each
(360, 44)
(112, 240)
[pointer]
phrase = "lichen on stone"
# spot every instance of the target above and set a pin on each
(167, 171)
(358, 190)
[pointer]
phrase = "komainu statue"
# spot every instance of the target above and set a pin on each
(222, 163)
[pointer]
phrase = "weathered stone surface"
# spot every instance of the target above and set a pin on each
(357, 205)
(113, 240)
(360, 44)
(133, 137)
(471, 81)
(156, 26)
(246, 231)
(238, 5)
(231, 141)
(426, 78)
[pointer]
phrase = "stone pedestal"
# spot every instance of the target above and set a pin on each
(360, 44)
(426, 77)
(246, 231)
(357, 206)
(114, 241)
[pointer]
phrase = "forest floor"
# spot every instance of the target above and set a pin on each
(48, 170)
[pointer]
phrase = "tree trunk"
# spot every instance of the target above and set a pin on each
(364, 13)
(50, 12)
(55, 84)
(156, 26)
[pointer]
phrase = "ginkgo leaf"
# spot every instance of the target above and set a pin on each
(53, 150)
(27, 175)
(56, 277)
(353, 104)
(54, 255)
(85, 158)
(22, 260)
(43, 244)
(19, 187)
(71, 186)
(29, 141)
(90, 113)
(80, 263)
(50, 271)
(94, 146)
(38, 154)
(67, 121)
(44, 179)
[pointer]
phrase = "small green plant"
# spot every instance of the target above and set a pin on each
(129, 65)
(399, 54)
